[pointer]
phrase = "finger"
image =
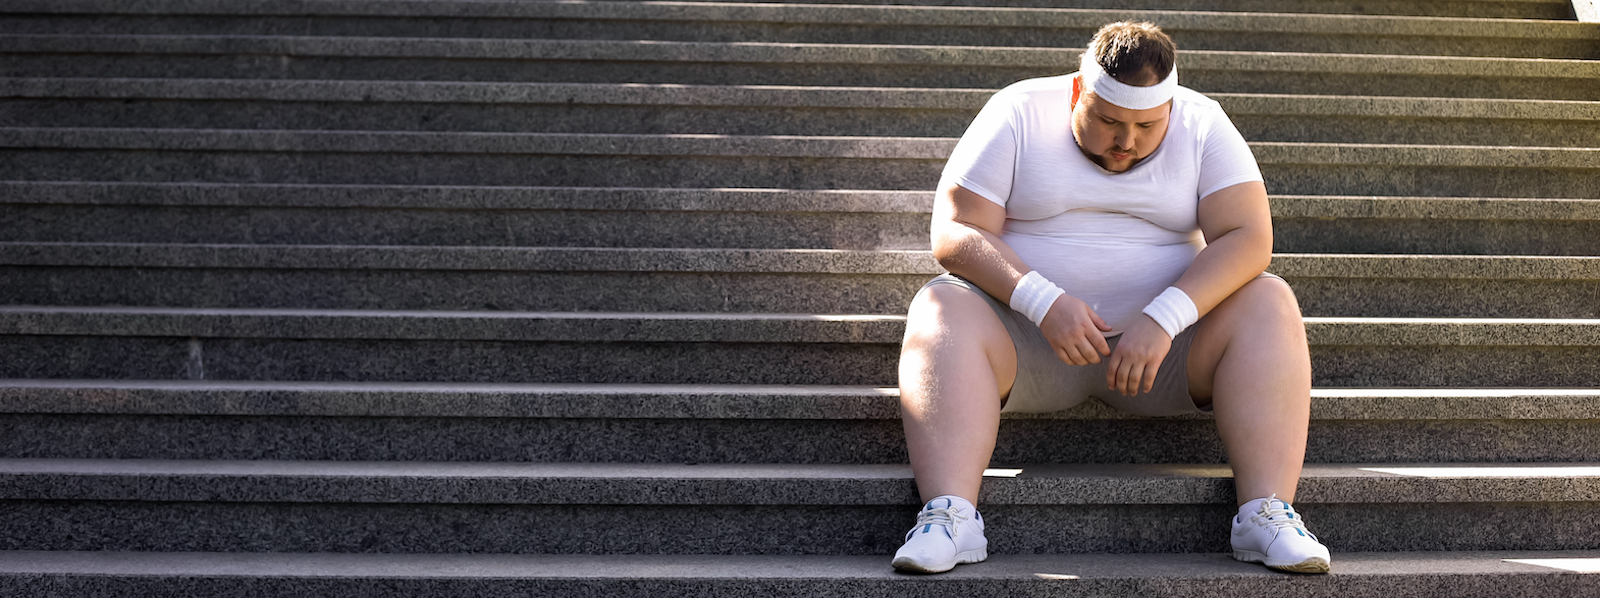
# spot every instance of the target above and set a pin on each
(1099, 343)
(1150, 375)
(1070, 355)
(1098, 323)
(1111, 370)
(1086, 346)
(1125, 369)
(1135, 374)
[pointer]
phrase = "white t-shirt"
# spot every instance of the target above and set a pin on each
(1113, 240)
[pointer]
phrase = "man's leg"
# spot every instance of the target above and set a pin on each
(956, 363)
(1251, 360)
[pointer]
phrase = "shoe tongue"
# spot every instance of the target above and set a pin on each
(1253, 507)
(949, 501)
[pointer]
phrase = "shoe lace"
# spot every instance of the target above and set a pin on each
(951, 519)
(1279, 519)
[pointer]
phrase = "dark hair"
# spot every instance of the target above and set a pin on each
(1132, 52)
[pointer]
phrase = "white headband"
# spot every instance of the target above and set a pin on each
(1132, 97)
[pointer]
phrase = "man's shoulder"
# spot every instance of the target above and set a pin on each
(1189, 98)
(1194, 111)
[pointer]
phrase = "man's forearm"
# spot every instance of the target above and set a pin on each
(979, 256)
(1225, 265)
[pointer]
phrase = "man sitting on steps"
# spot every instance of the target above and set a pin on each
(1107, 235)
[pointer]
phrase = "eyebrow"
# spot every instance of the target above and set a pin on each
(1103, 116)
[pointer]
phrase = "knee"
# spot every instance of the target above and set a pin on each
(933, 311)
(1269, 298)
(947, 313)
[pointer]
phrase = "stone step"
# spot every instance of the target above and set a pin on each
(706, 218)
(53, 574)
(1501, 9)
(730, 110)
(686, 348)
(692, 401)
(173, 155)
(706, 280)
(369, 421)
(808, 23)
(753, 63)
(588, 508)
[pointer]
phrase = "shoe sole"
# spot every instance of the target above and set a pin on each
(1312, 565)
(905, 563)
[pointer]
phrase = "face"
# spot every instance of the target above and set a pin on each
(1114, 137)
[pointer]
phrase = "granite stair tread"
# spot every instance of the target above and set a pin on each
(756, 52)
(1382, 567)
(810, 23)
(93, 574)
(762, 484)
(811, 261)
(780, 146)
(969, 100)
(689, 401)
(903, 15)
(688, 327)
(694, 200)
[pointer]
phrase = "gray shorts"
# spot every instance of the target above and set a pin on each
(1045, 383)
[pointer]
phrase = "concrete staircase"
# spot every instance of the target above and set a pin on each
(388, 297)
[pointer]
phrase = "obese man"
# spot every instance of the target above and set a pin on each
(1107, 235)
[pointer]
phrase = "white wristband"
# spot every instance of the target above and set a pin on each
(1173, 310)
(1034, 295)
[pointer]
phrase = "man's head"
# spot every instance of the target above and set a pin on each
(1132, 63)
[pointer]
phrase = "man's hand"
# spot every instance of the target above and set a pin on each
(1139, 353)
(1074, 331)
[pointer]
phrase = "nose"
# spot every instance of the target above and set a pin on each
(1124, 140)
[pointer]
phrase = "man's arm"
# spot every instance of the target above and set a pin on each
(966, 241)
(1237, 224)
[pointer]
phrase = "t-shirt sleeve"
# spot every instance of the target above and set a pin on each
(985, 158)
(1225, 158)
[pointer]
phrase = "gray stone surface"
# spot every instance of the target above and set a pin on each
(772, 530)
(729, 120)
(1194, 524)
(758, 63)
(330, 399)
(469, 197)
(1328, 208)
(1437, 235)
(144, 343)
(450, 361)
(631, 439)
(690, 328)
(960, 26)
(656, 260)
(474, 227)
(89, 223)
(84, 574)
(761, 484)
(587, 259)
(836, 14)
(698, 292)
(115, 212)
(964, 101)
(730, 110)
(705, 161)
(680, 280)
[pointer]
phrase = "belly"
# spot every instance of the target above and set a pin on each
(1116, 267)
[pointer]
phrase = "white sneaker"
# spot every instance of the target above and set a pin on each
(1268, 531)
(949, 532)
